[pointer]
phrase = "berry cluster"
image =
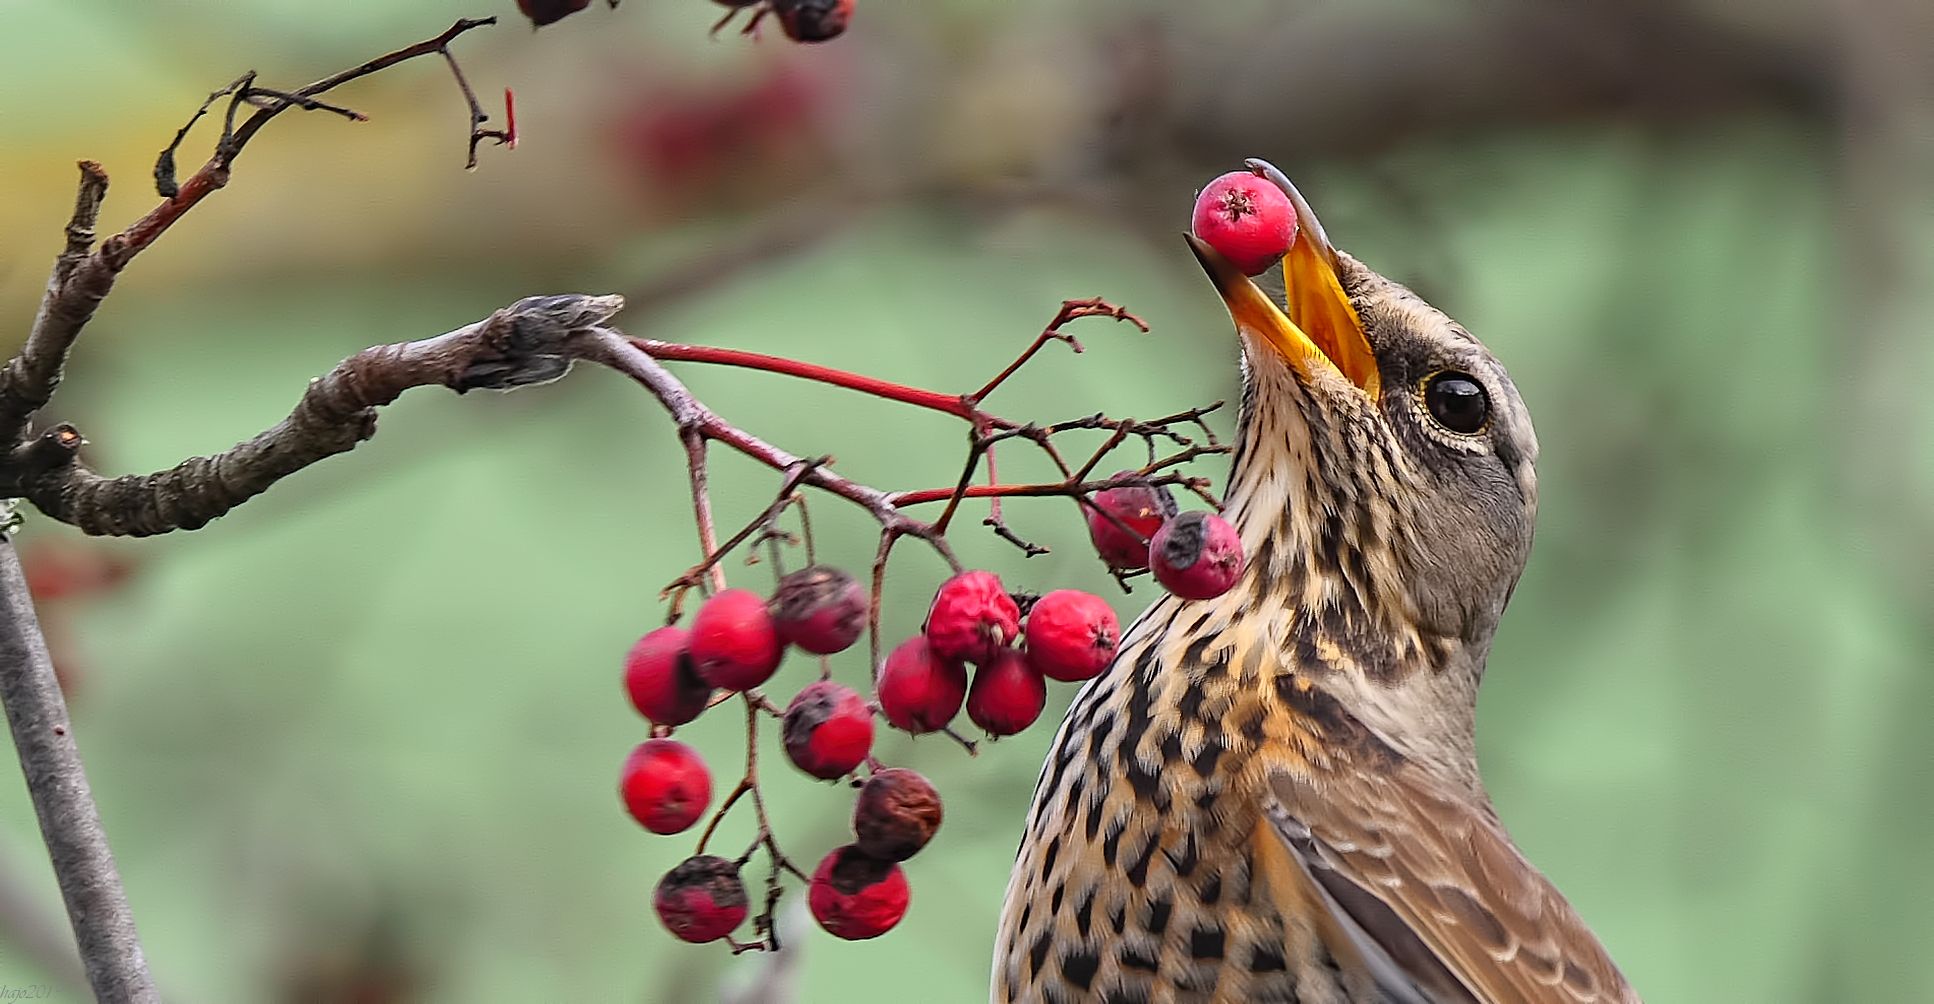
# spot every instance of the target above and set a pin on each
(982, 648)
(1014, 644)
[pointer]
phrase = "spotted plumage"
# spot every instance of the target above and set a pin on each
(1273, 795)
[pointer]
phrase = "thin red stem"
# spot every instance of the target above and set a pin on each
(932, 400)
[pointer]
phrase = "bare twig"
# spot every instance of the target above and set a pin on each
(69, 823)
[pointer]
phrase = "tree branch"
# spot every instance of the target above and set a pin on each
(530, 341)
(69, 823)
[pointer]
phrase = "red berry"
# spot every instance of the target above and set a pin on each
(919, 691)
(660, 680)
(1008, 694)
(820, 609)
(828, 730)
(703, 899)
(813, 20)
(1071, 635)
(1197, 555)
(665, 785)
(897, 813)
(972, 617)
(734, 644)
(543, 12)
(856, 897)
(1247, 218)
(1140, 510)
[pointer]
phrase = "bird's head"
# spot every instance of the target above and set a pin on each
(1384, 483)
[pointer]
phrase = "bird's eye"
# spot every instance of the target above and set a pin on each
(1457, 402)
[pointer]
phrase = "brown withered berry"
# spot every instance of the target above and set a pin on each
(828, 730)
(703, 899)
(972, 617)
(854, 896)
(896, 814)
(820, 609)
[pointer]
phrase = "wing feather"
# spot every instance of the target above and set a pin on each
(1435, 893)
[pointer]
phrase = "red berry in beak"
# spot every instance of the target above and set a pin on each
(897, 813)
(919, 691)
(813, 20)
(972, 618)
(660, 680)
(820, 609)
(734, 643)
(856, 897)
(1008, 694)
(1196, 556)
(703, 899)
(828, 730)
(1140, 510)
(1071, 635)
(1247, 218)
(665, 785)
(543, 12)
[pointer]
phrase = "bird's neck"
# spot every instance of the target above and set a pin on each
(1324, 590)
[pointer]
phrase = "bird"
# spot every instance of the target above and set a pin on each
(1273, 795)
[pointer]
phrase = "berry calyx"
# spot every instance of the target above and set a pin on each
(660, 679)
(919, 691)
(543, 12)
(897, 813)
(821, 610)
(734, 644)
(1138, 512)
(703, 899)
(813, 20)
(854, 896)
(1196, 555)
(665, 785)
(1007, 695)
(828, 730)
(1246, 218)
(972, 617)
(1071, 635)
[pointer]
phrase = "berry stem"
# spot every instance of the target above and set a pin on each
(1071, 310)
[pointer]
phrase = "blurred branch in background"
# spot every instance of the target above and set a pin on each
(47, 469)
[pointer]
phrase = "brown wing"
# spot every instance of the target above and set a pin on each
(1436, 895)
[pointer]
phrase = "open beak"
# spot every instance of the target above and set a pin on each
(1321, 328)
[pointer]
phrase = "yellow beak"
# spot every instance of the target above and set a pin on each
(1321, 327)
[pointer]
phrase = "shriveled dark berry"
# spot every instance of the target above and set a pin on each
(896, 814)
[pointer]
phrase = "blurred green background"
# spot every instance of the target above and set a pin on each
(358, 741)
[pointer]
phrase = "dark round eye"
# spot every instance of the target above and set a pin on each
(1457, 401)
